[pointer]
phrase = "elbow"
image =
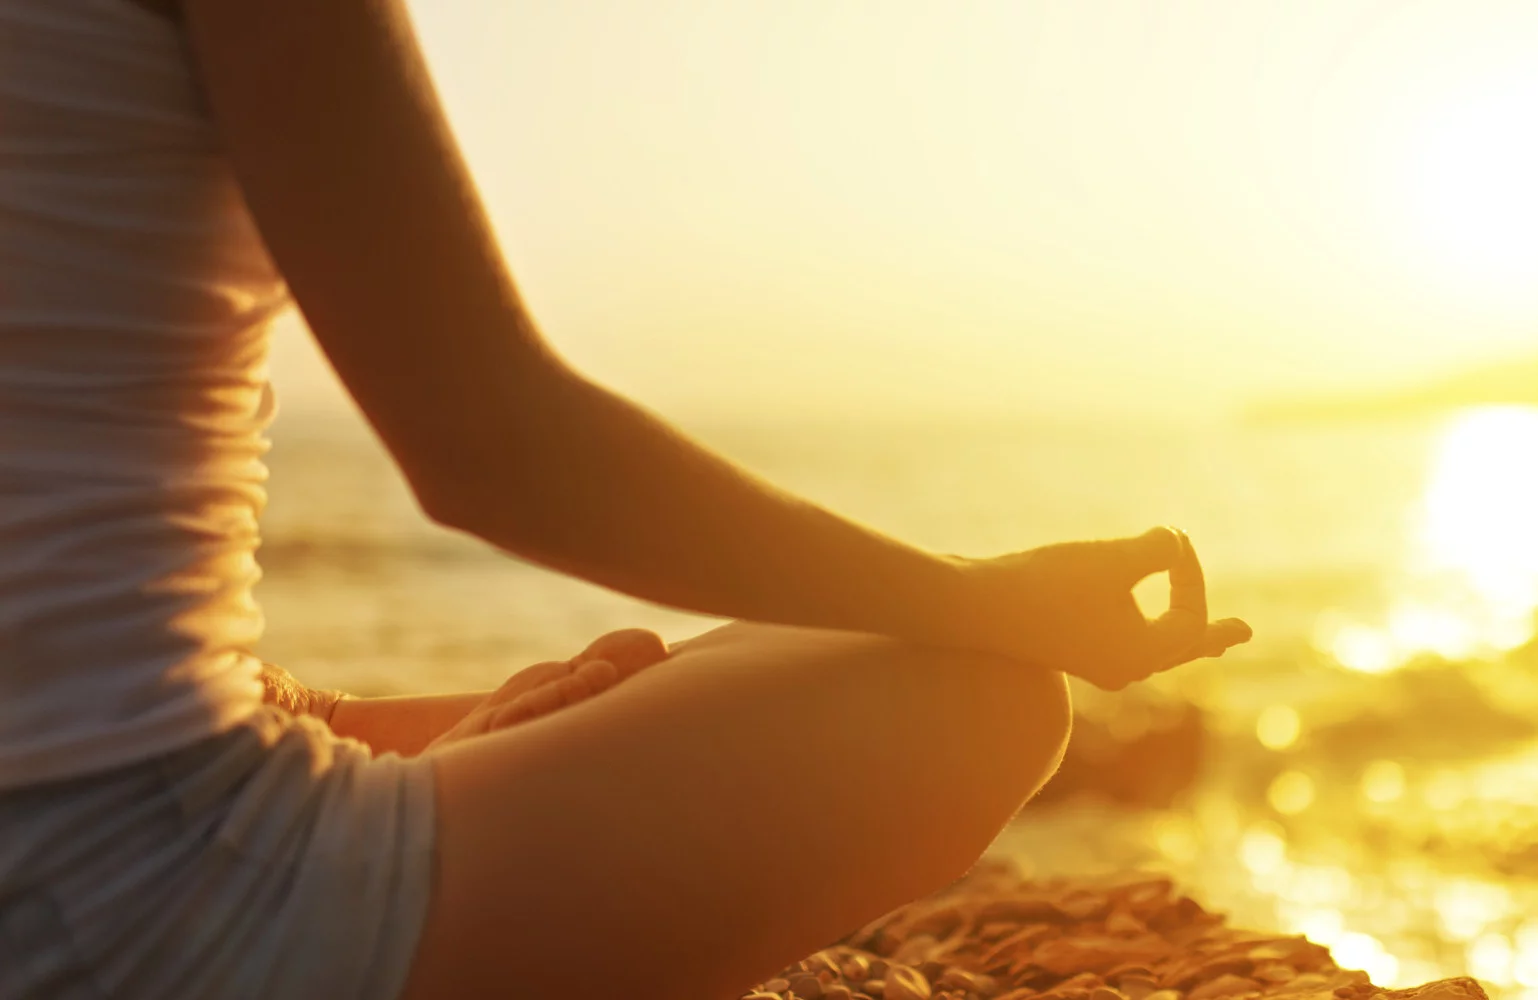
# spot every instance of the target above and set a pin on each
(446, 501)
(495, 514)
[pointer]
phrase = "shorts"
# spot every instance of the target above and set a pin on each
(270, 861)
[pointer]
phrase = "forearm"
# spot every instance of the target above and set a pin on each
(404, 725)
(381, 236)
(583, 481)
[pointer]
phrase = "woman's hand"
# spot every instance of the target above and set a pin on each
(408, 724)
(1069, 607)
(548, 687)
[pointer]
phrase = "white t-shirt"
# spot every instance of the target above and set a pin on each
(135, 295)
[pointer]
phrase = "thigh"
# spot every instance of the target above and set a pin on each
(758, 794)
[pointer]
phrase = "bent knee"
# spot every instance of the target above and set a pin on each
(1018, 719)
(1049, 690)
(1024, 711)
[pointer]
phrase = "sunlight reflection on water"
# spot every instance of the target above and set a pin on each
(1469, 586)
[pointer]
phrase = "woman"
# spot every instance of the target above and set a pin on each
(171, 174)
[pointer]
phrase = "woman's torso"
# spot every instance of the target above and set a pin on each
(134, 299)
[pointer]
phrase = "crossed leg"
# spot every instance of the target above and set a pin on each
(755, 796)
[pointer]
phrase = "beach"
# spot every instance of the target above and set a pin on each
(1359, 774)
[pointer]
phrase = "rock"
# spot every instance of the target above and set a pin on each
(1129, 969)
(1146, 898)
(1123, 924)
(915, 949)
(995, 936)
(940, 922)
(1021, 942)
(1021, 910)
(1064, 994)
(1274, 972)
(1137, 987)
(1176, 912)
(1297, 951)
(1065, 956)
(997, 930)
(1226, 985)
(1083, 905)
(967, 982)
(1221, 967)
(903, 983)
(1082, 981)
(822, 961)
(1457, 988)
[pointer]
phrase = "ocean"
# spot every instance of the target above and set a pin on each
(1364, 771)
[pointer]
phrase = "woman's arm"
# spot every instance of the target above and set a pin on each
(409, 724)
(404, 725)
(360, 192)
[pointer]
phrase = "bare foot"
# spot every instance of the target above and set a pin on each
(548, 687)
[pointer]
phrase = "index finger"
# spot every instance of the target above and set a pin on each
(1154, 551)
(1188, 585)
(1185, 622)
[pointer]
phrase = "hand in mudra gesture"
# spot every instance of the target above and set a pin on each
(1070, 607)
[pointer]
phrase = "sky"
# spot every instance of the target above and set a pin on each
(908, 206)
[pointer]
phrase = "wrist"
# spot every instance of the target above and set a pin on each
(283, 689)
(941, 613)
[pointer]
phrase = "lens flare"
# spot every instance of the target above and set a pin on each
(1278, 727)
(1383, 781)
(1291, 793)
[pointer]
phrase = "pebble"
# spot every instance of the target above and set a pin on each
(1224, 985)
(996, 936)
(967, 982)
(903, 983)
(1137, 986)
(822, 961)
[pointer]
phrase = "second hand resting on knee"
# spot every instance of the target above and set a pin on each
(381, 235)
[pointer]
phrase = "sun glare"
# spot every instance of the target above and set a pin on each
(1470, 186)
(1470, 584)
